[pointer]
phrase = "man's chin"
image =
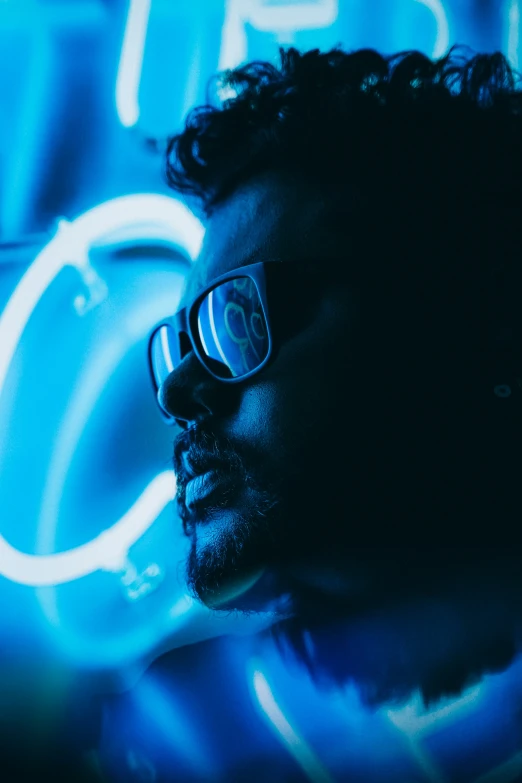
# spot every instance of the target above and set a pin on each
(438, 649)
(234, 593)
(260, 593)
(230, 548)
(255, 591)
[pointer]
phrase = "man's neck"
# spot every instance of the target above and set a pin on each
(437, 641)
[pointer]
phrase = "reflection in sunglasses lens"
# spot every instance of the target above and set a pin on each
(232, 328)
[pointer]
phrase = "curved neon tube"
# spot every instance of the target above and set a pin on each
(443, 36)
(70, 245)
(105, 552)
(294, 743)
(153, 216)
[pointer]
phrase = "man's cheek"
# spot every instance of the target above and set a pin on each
(261, 416)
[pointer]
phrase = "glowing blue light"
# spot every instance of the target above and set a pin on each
(308, 15)
(202, 336)
(170, 720)
(233, 49)
(139, 584)
(166, 350)
(142, 215)
(108, 551)
(415, 723)
(213, 326)
(19, 165)
(148, 215)
(414, 719)
(508, 772)
(294, 743)
(513, 17)
(131, 61)
(284, 20)
(443, 36)
(82, 401)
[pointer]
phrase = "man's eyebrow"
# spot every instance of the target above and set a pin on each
(256, 255)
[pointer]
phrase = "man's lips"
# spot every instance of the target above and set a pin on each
(200, 487)
(214, 489)
(197, 465)
(205, 479)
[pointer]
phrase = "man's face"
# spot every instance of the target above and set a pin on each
(297, 442)
(344, 476)
(335, 458)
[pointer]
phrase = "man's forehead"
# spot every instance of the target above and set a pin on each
(266, 218)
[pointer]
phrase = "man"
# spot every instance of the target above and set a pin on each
(345, 365)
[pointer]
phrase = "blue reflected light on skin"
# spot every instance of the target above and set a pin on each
(291, 739)
(144, 215)
(131, 61)
(442, 40)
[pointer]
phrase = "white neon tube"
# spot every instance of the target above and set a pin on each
(166, 350)
(131, 62)
(105, 552)
(513, 20)
(442, 40)
(291, 739)
(213, 326)
(154, 216)
(283, 20)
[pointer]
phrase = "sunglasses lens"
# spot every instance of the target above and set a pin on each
(163, 353)
(232, 328)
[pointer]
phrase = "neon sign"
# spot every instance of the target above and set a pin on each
(513, 31)
(442, 40)
(284, 20)
(149, 216)
(131, 61)
(294, 742)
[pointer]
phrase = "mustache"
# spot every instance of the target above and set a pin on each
(201, 445)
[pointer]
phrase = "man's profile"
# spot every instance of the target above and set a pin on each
(346, 362)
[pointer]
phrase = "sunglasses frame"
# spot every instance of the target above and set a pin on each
(184, 321)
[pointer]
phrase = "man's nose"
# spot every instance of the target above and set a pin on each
(190, 393)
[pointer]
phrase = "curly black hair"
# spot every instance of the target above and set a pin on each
(359, 118)
(432, 150)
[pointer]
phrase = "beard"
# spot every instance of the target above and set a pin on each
(245, 543)
(236, 536)
(424, 617)
(228, 559)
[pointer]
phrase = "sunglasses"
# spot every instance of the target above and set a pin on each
(227, 325)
